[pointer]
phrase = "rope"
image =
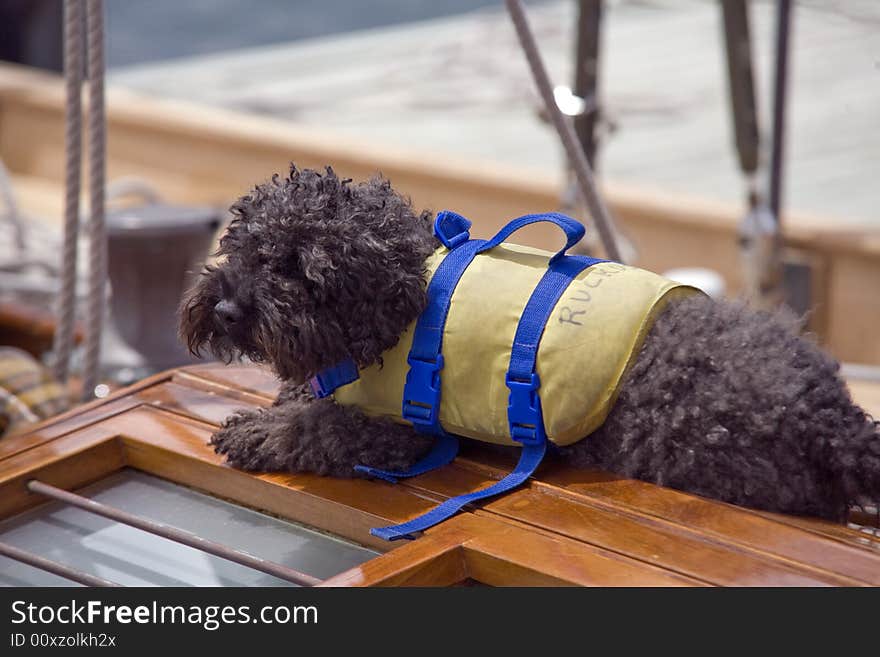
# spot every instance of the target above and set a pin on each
(97, 279)
(573, 148)
(63, 342)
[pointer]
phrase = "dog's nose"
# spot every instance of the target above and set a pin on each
(227, 312)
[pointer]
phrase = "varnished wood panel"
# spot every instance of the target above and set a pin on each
(725, 522)
(205, 405)
(672, 547)
(84, 458)
(504, 555)
(253, 379)
(828, 529)
(564, 527)
(435, 560)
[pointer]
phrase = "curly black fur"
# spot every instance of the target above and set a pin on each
(302, 434)
(318, 269)
(721, 401)
(733, 404)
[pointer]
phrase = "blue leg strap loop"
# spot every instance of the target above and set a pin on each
(442, 453)
(528, 461)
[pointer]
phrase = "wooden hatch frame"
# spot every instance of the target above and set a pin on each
(566, 527)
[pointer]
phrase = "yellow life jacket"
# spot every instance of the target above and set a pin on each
(594, 333)
(509, 350)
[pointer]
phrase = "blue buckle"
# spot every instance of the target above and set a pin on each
(421, 394)
(451, 229)
(524, 412)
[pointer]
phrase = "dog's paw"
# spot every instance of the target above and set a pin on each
(240, 439)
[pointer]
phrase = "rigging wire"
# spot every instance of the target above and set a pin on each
(573, 148)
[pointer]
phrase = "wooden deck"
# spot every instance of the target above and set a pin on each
(460, 87)
(565, 527)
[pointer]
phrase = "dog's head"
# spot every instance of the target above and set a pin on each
(312, 270)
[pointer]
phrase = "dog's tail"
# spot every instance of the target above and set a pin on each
(855, 462)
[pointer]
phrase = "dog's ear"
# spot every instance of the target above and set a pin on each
(361, 251)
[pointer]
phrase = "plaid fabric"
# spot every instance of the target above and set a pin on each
(28, 393)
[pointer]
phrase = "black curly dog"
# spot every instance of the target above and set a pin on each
(722, 401)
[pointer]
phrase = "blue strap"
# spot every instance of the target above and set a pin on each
(573, 229)
(442, 453)
(529, 459)
(421, 393)
(327, 380)
(545, 296)
(524, 413)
